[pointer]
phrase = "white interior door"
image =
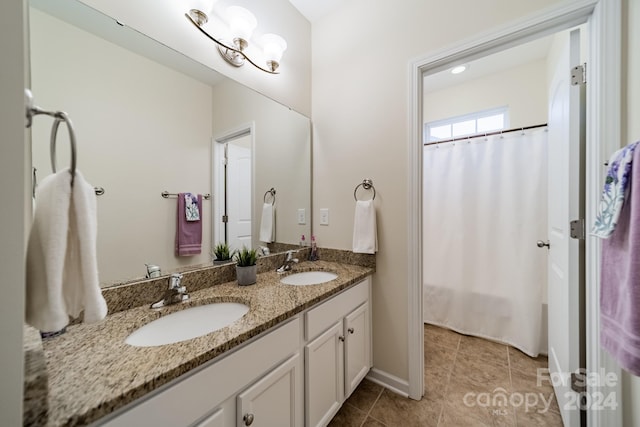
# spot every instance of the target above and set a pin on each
(238, 192)
(564, 202)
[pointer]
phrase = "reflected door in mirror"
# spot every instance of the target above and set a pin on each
(238, 192)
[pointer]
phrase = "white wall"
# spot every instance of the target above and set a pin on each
(14, 211)
(360, 112)
(521, 88)
(282, 143)
(142, 128)
(291, 87)
(631, 133)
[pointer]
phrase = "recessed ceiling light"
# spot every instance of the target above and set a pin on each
(459, 69)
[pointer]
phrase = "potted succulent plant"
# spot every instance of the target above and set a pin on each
(222, 254)
(246, 268)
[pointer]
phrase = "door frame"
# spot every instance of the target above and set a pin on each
(604, 20)
(217, 152)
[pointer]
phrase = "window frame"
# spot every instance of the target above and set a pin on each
(475, 116)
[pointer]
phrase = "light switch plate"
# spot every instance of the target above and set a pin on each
(302, 216)
(324, 216)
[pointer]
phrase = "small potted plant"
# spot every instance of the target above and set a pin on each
(246, 268)
(222, 254)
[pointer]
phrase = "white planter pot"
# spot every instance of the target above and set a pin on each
(247, 275)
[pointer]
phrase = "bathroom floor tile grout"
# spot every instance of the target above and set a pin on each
(371, 409)
(454, 352)
(515, 418)
(448, 382)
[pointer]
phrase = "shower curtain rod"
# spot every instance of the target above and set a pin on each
(478, 135)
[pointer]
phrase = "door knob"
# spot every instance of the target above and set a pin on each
(542, 244)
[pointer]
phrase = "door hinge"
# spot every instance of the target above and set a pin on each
(576, 228)
(578, 382)
(225, 218)
(579, 75)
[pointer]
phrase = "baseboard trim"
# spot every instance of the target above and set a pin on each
(393, 383)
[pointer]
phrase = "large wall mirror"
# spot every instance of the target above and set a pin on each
(147, 120)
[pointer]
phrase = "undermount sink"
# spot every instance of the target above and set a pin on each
(187, 324)
(308, 278)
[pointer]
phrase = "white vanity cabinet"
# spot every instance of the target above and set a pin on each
(297, 374)
(262, 379)
(338, 352)
(272, 400)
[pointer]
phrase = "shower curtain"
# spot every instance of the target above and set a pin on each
(485, 206)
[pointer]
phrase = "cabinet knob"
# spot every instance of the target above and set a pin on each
(341, 338)
(248, 419)
(351, 330)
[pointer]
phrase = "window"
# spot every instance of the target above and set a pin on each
(470, 124)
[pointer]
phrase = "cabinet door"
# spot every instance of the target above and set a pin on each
(357, 347)
(272, 400)
(324, 379)
(214, 420)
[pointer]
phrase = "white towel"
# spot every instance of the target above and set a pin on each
(268, 223)
(62, 267)
(365, 237)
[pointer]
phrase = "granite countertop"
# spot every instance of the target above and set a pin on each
(92, 372)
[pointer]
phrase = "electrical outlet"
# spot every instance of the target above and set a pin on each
(324, 216)
(302, 217)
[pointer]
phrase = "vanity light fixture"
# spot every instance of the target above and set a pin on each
(241, 25)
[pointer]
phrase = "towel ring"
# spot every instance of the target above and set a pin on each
(367, 184)
(62, 117)
(272, 192)
(32, 110)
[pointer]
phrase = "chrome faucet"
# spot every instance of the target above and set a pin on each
(174, 294)
(289, 260)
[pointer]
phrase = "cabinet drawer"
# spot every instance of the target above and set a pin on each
(319, 319)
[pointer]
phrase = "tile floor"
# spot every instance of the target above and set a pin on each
(465, 377)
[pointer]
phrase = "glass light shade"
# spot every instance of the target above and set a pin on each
(241, 22)
(273, 46)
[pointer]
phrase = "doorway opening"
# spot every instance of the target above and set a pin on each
(486, 203)
(233, 183)
(603, 132)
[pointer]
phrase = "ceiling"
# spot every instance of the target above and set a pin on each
(509, 58)
(314, 10)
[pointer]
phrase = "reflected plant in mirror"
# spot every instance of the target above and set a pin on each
(222, 254)
(149, 119)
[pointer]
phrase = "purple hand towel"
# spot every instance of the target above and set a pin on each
(620, 281)
(188, 233)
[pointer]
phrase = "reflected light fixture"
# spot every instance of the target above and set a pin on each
(459, 69)
(241, 25)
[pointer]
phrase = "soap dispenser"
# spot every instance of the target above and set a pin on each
(313, 256)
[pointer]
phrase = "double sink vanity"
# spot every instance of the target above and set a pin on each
(286, 351)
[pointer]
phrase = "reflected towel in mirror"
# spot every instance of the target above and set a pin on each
(268, 223)
(192, 210)
(188, 233)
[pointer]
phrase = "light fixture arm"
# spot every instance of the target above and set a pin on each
(238, 51)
